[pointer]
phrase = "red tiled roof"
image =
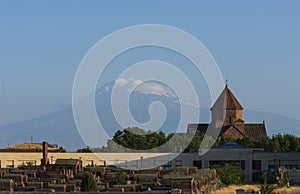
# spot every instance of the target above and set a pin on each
(255, 130)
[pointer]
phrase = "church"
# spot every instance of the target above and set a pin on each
(227, 115)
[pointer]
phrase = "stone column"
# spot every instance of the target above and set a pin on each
(45, 159)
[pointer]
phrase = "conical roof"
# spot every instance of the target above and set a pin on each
(227, 100)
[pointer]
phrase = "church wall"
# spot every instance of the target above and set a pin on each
(232, 133)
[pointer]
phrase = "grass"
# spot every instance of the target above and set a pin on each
(290, 190)
(29, 146)
(232, 189)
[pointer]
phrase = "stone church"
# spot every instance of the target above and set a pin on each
(227, 116)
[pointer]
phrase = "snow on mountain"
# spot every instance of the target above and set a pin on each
(139, 86)
(141, 96)
(57, 126)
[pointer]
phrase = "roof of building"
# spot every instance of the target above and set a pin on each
(255, 130)
(227, 100)
(231, 145)
(197, 126)
(225, 128)
(252, 130)
(202, 127)
(31, 146)
(67, 162)
(239, 120)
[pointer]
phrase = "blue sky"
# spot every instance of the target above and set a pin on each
(255, 43)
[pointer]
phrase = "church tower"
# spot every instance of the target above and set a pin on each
(227, 113)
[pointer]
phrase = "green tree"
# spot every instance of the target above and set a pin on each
(138, 139)
(87, 150)
(276, 143)
(230, 174)
(266, 188)
(27, 163)
(88, 182)
(135, 138)
(272, 177)
(196, 142)
(121, 178)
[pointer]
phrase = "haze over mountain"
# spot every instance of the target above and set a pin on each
(59, 127)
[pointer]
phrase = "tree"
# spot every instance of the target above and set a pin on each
(86, 150)
(230, 174)
(88, 182)
(196, 141)
(138, 139)
(135, 138)
(121, 178)
(276, 143)
(27, 163)
(272, 177)
(266, 188)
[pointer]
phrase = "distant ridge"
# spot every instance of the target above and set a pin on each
(59, 127)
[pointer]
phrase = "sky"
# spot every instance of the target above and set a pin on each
(255, 43)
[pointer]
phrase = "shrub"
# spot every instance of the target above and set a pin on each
(272, 177)
(121, 178)
(88, 182)
(266, 189)
(229, 174)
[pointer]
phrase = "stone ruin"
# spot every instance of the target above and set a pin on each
(66, 175)
(184, 179)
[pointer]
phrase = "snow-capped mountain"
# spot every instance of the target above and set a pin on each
(56, 126)
(141, 95)
(59, 127)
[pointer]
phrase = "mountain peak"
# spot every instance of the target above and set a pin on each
(138, 86)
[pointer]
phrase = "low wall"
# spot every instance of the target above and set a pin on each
(131, 160)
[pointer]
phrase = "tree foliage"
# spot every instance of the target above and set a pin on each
(86, 150)
(121, 178)
(266, 188)
(88, 182)
(230, 174)
(276, 143)
(138, 139)
(27, 163)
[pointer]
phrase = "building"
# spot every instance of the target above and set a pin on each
(227, 116)
(251, 160)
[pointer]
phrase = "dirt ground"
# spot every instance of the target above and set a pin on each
(232, 189)
(290, 190)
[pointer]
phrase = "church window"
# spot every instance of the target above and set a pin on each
(229, 120)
